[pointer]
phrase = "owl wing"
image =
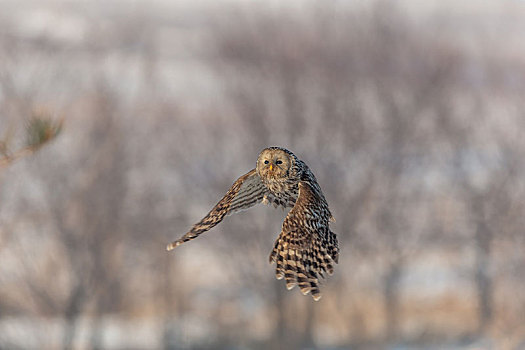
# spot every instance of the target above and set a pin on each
(306, 249)
(247, 191)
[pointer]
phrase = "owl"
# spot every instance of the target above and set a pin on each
(306, 248)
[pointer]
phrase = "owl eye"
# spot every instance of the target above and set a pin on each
(266, 162)
(279, 162)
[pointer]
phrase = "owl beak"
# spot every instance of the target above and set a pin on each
(271, 167)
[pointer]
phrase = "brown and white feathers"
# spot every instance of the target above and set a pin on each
(306, 250)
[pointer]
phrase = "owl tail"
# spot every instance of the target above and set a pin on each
(305, 263)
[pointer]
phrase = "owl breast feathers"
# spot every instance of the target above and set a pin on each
(306, 249)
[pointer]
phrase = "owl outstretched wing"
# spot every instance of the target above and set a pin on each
(247, 191)
(306, 249)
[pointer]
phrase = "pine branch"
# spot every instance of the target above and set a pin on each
(40, 129)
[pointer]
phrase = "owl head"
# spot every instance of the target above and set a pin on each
(274, 163)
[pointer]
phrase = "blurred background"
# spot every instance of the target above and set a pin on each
(411, 115)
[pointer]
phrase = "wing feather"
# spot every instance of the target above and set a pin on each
(247, 191)
(306, 249)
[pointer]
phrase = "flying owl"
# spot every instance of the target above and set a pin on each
(306, 249)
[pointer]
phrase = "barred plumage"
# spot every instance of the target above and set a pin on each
(306, 249)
